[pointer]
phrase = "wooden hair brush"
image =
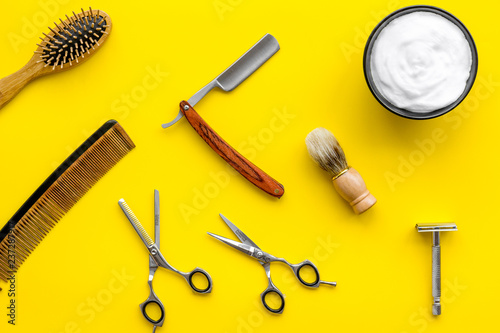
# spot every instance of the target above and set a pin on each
(328, 154)
(69, 44)
(60, 191)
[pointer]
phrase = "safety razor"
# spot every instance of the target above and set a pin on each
(436, 228)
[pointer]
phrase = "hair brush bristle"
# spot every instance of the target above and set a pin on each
(326, 151)
(74, 38)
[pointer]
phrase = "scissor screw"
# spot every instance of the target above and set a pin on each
(153, 252)
(186, 107)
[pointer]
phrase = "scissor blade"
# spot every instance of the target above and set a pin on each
(152, 263)
(157, 218)
(135, 223)
(245, 248)
(241, 236)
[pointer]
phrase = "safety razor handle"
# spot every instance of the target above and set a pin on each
(436, 279)
(246, 168)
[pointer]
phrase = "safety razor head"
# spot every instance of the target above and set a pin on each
(432, 227)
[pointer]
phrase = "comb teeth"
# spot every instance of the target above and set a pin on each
(79, 34)
(55, 197)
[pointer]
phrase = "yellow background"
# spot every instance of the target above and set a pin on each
(382, 265)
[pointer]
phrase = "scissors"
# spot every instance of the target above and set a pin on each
(157, 259)
(250, 248)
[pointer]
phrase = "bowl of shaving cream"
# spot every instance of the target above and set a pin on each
(420, 62)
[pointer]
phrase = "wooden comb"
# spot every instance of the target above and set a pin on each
(59, 192)
(69, 44)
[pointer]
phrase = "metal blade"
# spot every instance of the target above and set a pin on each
(241, 236)
(152, 263)
(433, 227)
(135, 223)
(157, 218)
(248, 63)
(242, 68)
(245, 248)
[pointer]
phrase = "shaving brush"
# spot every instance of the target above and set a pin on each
(326, 151)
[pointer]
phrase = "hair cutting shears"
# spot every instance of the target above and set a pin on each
(156, 259)
(248, 247)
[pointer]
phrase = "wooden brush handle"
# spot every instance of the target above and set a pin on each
(11, 85)
(352, 188)
(246, 168)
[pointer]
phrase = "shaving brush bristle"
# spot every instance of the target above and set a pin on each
(326, 151)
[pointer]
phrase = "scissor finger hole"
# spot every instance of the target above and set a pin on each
(153, 312)
(273, 301)
(308, 275)
(199, 281)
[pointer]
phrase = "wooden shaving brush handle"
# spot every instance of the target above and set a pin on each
(351, 186)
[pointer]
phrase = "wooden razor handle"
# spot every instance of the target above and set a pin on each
(246, 168)
(352, 188)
